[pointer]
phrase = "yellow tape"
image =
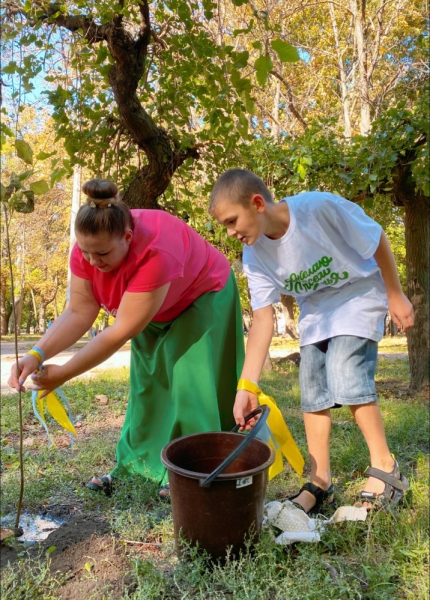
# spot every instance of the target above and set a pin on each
(55, 408)
(279, 429)
(58, 413)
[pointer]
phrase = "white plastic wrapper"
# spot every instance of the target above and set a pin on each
(297, 526)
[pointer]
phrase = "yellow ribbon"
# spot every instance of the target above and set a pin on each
(285, 444)
(56, 410)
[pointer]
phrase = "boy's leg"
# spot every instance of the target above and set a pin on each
(351, 366)
(317, 426)
(369, 420)
(317, 419)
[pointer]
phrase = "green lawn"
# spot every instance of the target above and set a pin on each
(385, 557)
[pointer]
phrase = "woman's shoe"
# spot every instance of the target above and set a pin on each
(106, 485)
(321, 496)
(164, 493)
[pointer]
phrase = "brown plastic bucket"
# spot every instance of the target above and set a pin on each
(228, 511)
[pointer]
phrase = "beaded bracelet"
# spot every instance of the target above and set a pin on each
(38, 353)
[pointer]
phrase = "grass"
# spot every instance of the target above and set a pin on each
(385, 557)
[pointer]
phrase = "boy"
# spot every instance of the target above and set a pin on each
(337, 262)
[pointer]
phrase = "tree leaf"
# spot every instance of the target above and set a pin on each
(10, 68)
(24, 151)
(44, 155)
(25, 175)
(285, 51)
(39, 187)
(263, 65)
(239, 2)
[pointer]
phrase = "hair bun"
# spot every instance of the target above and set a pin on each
(100, 189)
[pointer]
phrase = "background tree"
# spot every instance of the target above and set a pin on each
(141, 91)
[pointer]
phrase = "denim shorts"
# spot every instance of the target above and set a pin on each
(337, 372)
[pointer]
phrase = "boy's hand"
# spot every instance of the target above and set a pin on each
(244, 404)
(401, 311)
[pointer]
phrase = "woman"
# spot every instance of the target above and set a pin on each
(175, 297)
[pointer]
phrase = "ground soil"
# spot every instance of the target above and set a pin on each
(91, 562)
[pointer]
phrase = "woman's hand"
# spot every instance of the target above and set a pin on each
(244, 404)
(27, 365)
(49, 379)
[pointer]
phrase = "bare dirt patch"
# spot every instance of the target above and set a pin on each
(90, 561)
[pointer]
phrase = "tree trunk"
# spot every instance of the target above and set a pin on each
(4, 318)
(358, 9)
(247, 320)
(275, 322)
(390, 327)
(42, 319)
(275, 111)
(417, 238)
(19, 306)
(33, 299)
(268, 363)
(76, 200)
(130, 62)
(417, 218)
(291, 332)
(30, 316)
(342, 74)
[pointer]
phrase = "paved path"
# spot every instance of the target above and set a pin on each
(119, 359)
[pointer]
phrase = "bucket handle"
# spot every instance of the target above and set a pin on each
(262, 410)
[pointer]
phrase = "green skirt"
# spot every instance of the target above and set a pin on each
(183, 379)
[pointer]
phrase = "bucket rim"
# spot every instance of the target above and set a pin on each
(222, 476)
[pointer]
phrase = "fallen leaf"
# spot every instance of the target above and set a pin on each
(78, 424)
(63, 442)
(5, 533)
(102, 399)
(28, 441)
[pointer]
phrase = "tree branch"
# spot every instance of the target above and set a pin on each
(290, 98)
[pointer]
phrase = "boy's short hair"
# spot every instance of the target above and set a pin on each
(238, 186)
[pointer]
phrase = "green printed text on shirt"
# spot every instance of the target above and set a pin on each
(310, 279)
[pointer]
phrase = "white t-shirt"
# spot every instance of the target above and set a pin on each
(325, 260)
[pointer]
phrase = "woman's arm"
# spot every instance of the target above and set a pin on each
(69, 327)
(134, 313)
(400, 308)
